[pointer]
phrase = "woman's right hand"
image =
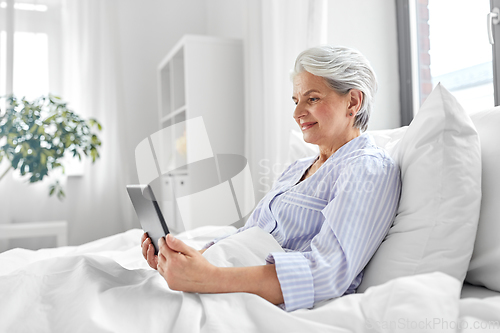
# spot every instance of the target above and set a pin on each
(148, 251)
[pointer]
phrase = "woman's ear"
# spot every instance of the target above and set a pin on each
(355, 101)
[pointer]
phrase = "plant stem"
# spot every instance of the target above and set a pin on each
(5, 172)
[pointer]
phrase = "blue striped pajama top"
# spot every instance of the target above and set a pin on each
(331, 223)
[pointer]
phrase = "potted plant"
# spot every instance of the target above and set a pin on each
(35, 136)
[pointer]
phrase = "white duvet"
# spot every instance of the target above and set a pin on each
(106, 286)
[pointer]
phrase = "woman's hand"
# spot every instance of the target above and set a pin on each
(183, 267)
(148, 251)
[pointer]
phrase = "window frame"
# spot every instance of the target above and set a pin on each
(405, 47)
(496, 52)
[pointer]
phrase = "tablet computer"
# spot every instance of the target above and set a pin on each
(148, 211)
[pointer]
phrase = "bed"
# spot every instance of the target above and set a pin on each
(438, 270)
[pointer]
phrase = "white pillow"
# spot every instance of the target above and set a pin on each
(436, 222)
(484, 268)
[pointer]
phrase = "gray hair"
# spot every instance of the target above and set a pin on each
(343, 69)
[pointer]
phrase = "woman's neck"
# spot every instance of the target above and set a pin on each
(325, 151)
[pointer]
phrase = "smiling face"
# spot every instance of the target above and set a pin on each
(322, 114)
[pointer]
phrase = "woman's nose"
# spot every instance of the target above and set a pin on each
(300, 111)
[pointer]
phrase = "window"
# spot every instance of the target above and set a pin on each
(3, 61)
(30, 63)
(448, 43)
(26, 29)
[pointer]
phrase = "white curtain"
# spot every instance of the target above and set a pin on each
(276, 32)
(91, 74)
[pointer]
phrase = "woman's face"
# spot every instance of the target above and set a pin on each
(321, 113)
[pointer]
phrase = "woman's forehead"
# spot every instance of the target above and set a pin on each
(305, 81)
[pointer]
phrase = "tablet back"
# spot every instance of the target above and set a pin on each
(148, 211)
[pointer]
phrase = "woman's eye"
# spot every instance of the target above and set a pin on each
(313, 99)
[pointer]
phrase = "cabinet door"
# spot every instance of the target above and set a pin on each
(180, 185)
(168, 204)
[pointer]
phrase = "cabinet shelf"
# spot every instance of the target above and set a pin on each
(190, 79)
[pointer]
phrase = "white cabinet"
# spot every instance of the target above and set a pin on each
(200, 76)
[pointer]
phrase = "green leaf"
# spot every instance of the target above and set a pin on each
(50, 119)
(54, 98)
(24, 149)
(61, 195)
(67, 141)
(15, 161)
(10, 139)
(40, 130)
(43, 158)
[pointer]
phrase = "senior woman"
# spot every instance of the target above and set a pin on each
(329, 212)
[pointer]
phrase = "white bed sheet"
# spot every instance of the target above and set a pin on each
(106, 286)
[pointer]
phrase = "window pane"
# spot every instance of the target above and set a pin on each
(31, 65)
(454, 50)
(3, 62)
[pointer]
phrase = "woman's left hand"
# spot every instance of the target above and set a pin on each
(183, 267)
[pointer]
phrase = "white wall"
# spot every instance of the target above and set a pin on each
(370, 27)
(225, 18)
